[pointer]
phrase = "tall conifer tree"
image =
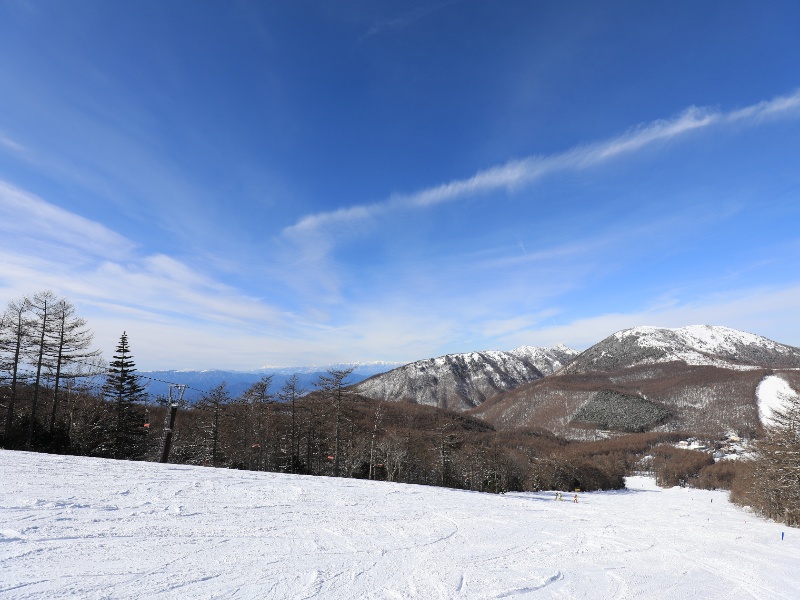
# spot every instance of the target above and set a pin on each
(124, 393)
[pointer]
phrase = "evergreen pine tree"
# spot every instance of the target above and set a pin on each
(125, 432)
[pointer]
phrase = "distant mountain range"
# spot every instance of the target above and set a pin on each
(700, 378)
(237, 382)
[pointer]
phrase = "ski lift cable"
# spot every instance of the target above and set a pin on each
(188, 387)
(106, 371)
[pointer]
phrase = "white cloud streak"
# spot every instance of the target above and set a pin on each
(404, 21)
(26, 216)
(7, 142)
(522, 172)
(43, 246)
(185, 317)
(179, 317)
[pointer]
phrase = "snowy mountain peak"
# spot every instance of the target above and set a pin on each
(705, 338)
(465, 380)
(711, 345)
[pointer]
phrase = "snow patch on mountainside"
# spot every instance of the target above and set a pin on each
(773, 393)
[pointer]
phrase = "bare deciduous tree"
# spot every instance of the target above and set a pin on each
(289, 394)
(14, 338)
(333, 386)
(773, 484)
(69, 344)
(43, 305)
(215, 402)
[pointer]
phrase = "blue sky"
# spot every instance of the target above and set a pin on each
(241, 184)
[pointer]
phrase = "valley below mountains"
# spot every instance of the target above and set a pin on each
(705, 379)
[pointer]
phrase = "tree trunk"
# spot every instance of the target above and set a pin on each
(39, 364)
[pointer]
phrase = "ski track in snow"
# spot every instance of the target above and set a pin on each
(90, 528)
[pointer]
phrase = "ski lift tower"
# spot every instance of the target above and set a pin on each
(169, 418)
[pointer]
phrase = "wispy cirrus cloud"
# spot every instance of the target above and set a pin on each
(404, 20)
(9, 144)
(44, 246)
(518, 173)
(25, 216)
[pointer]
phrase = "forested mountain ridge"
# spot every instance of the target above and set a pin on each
(463, 381)
(698, 378)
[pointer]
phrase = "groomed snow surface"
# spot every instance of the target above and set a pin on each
(773, 393)
(90, 528)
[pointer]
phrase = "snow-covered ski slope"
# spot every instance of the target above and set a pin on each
(90, 528)
(773, 393)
